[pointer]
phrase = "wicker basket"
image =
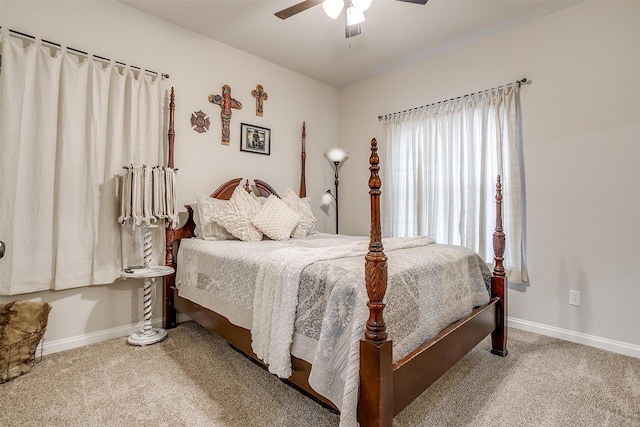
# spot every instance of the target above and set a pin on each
(18, 358)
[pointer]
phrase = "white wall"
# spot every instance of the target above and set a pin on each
(581, 129)
(582, 155)
(197, 66)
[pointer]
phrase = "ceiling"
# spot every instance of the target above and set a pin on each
(394, 33)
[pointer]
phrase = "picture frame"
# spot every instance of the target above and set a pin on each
(255, 139)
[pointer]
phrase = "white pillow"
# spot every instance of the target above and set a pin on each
(235, 216)
(196, 219)
(260, 199)
(275, 219)
(303, 208)
(307, 200)
(209, 229)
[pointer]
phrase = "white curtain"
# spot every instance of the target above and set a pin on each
(441, 168)
(67, 126)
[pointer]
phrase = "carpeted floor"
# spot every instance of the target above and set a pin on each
(194, 379)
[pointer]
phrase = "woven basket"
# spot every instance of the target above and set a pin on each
(18, 358)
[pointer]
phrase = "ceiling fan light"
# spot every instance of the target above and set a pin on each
(332, 7)
(361, 4)
(354, 16)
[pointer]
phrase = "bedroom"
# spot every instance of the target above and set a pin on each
(581, 161)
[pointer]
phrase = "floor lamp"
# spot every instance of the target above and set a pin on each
(337, 157)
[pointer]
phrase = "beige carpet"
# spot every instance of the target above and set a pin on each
(194, 379)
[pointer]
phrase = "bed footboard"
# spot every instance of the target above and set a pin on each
(387, 388)
(376, 358)
(415, 372)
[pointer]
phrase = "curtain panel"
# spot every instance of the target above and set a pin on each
(440, 174)
(67, 126)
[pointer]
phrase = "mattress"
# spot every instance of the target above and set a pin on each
(429, 287)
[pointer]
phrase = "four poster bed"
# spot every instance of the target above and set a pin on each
(386, 384)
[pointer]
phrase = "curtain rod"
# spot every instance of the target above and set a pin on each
(166, 76)
(518, 82)
(131, 166)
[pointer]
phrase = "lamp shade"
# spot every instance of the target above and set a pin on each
(332, 7)
(336, 155)
(327, 197)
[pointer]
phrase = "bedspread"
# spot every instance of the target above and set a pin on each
(276, 294)
(430, 286)
(221, 275)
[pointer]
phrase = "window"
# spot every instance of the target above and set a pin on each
(441, 168)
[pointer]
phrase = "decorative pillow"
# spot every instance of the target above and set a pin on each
(275, 219)
(235, 216)
(260, 199)
(206, 228)
(302, 207)
(307, 201)
(196, 219)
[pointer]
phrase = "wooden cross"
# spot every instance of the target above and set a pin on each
(260, 95)
(226, 103)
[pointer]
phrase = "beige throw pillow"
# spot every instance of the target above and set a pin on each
(275, 219)
(208, 228)
(307, 222)
(196, 219)
(235, 216)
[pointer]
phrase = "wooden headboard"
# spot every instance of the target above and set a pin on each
(224, 191)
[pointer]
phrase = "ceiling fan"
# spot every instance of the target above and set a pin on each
(354, 15)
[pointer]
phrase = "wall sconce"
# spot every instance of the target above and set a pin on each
(337, 157)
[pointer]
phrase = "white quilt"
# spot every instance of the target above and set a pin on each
(276, 294)
(307, 297)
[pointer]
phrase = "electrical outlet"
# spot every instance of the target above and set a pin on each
(574, 298)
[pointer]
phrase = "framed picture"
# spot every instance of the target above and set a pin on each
(255, 139)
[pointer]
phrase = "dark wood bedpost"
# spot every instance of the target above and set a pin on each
(499, 280)
(168, 310)
(172, 132)
(376, 360)
(303, 157)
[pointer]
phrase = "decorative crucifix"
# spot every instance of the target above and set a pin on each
(226, 103)
(260, 95)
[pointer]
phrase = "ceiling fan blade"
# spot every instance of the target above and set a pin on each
(423, 2)
(297, 8)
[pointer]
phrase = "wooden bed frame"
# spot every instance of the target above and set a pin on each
(386, 388)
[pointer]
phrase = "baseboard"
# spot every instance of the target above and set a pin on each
(182, 318)
(49, 347)
(577, 337)
(538, 328)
